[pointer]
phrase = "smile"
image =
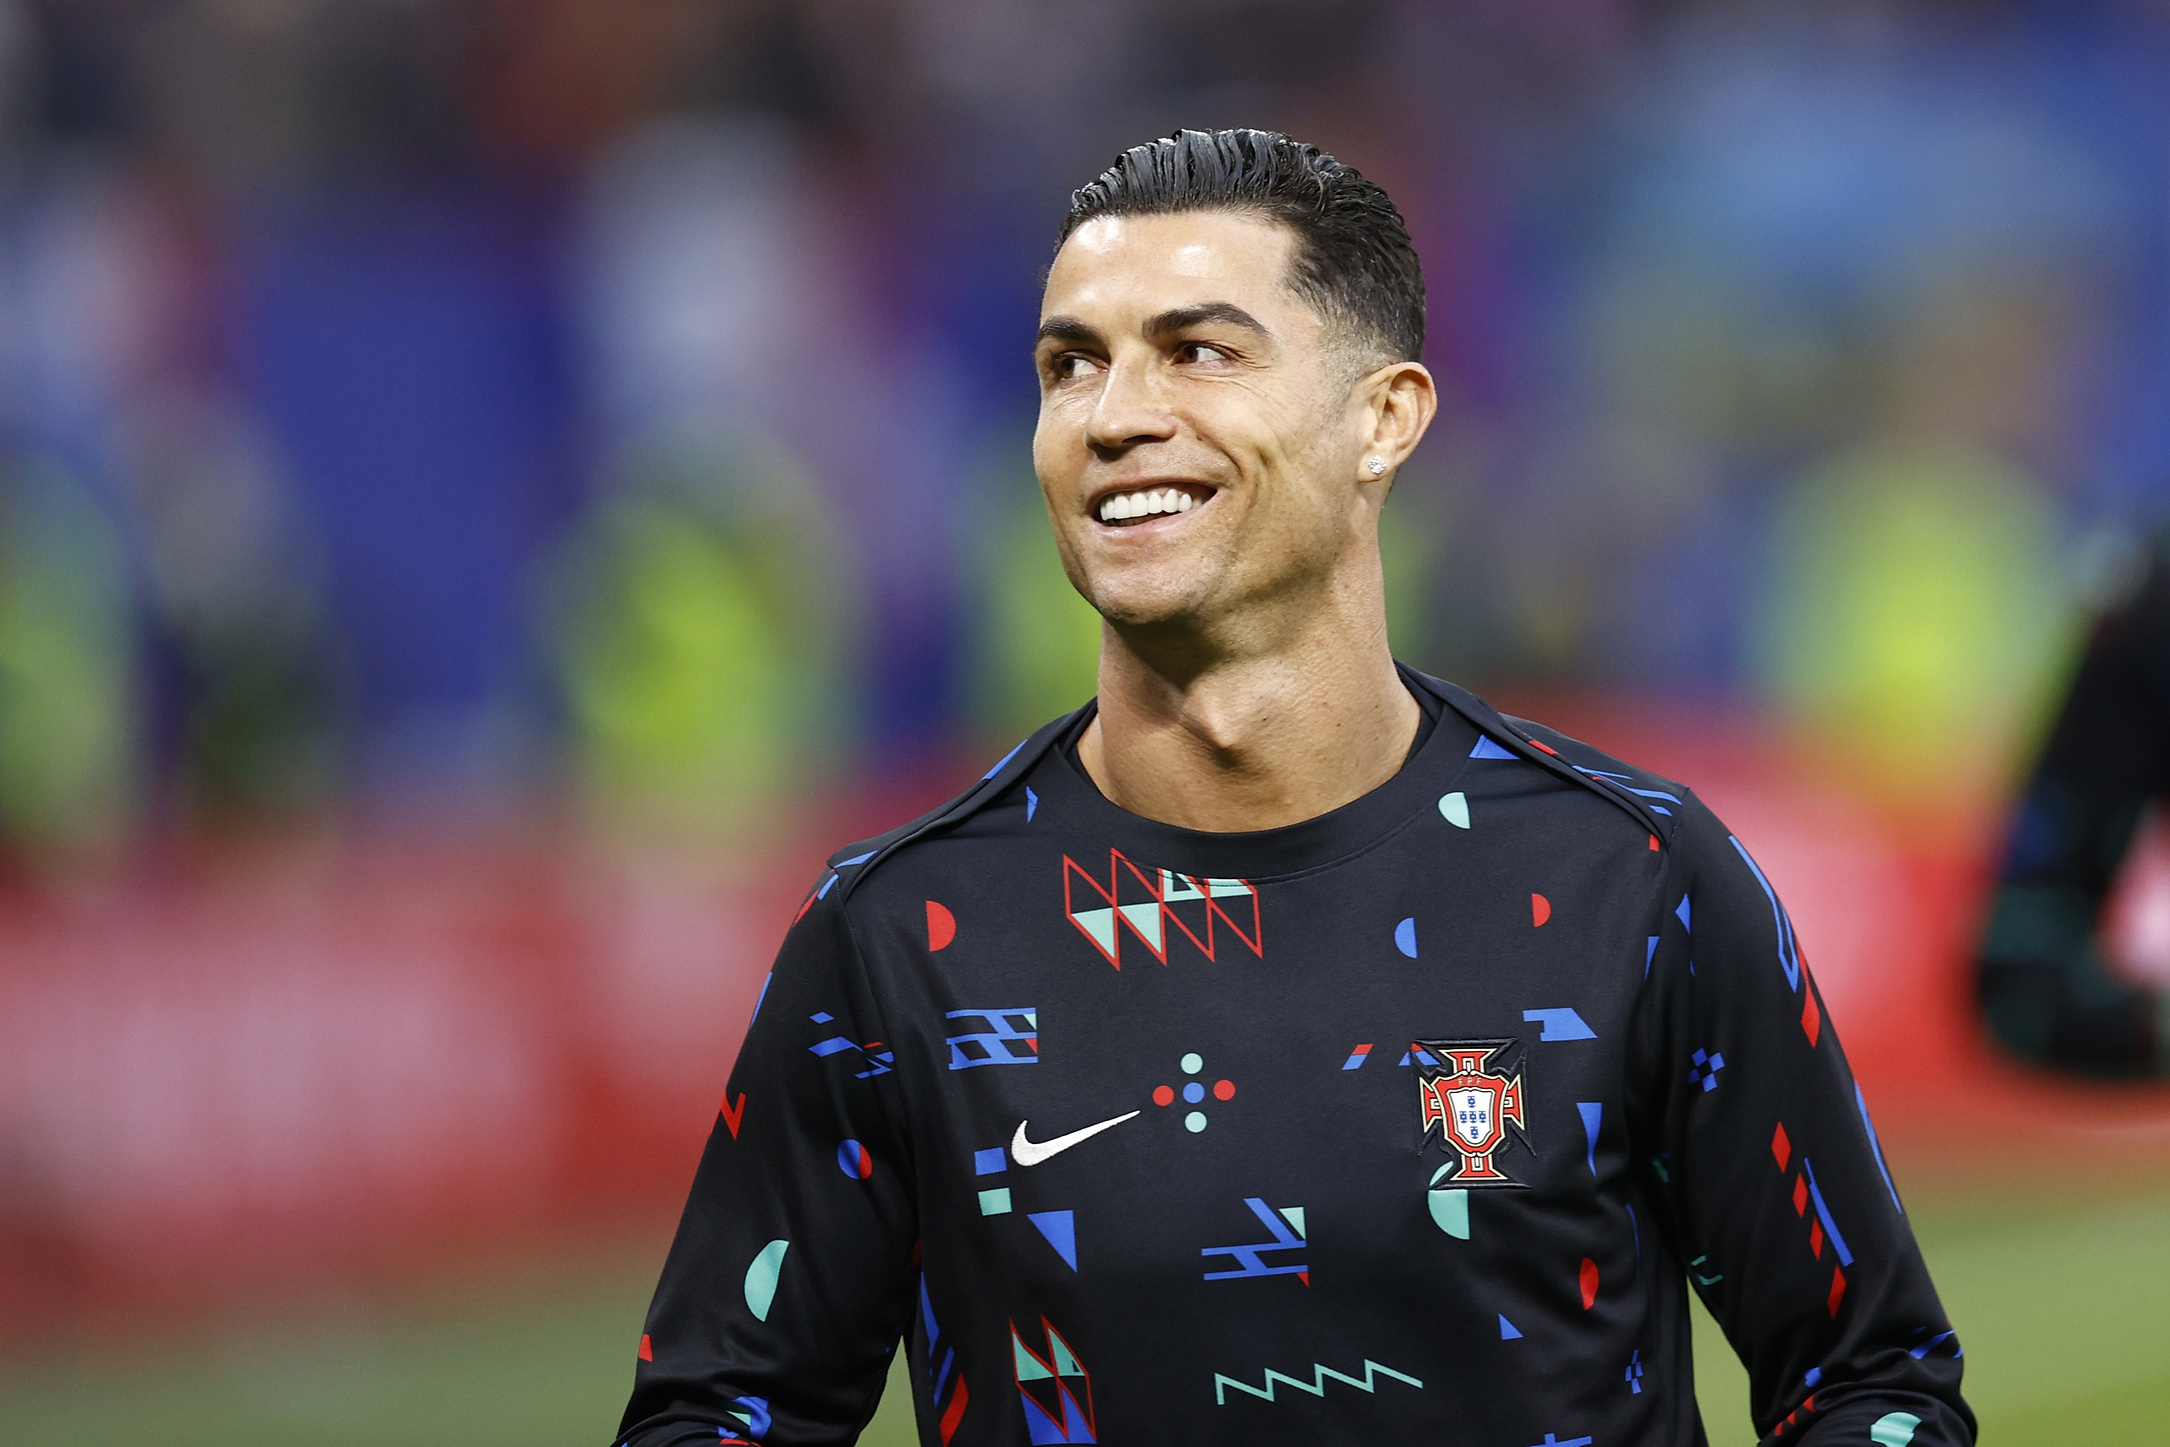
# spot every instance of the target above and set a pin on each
(1136, 505)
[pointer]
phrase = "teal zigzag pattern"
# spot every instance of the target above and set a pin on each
(1315, 1387)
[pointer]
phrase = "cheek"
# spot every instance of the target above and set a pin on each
(1277, 429)
(1056, 434)
(1280, 450)
(1056, 468)
(1046, 455)
(1299, 502)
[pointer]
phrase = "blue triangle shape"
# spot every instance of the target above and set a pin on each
(1507, 1330)
(1487, 749)
(1060, 1229)
(1040, 1428)
(1074, 1427)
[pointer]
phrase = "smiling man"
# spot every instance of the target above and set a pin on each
(1285, 1047)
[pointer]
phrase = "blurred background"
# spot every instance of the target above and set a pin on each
(493, 491)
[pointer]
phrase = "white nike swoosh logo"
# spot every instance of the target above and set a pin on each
(1029, 1154)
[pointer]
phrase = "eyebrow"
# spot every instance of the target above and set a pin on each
(1183, 318)
(1067, 329)
(1158, 327)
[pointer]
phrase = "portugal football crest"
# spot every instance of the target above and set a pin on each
(1471, 1092)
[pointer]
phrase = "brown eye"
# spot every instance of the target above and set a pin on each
(1072, 365)
(1201, 352)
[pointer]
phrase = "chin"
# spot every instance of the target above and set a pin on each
(1169, 589)
(1156, 602)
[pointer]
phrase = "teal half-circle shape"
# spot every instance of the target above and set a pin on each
(1405, 937)
(761, 1278)
(1894, 1429)
(1450, 1212)
(1454, 808)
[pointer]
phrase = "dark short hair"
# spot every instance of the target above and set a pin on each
(1353, 259)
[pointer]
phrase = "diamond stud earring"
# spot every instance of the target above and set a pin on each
(1378, 466)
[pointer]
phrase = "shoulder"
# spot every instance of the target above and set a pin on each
(851, 866)
(1666, 798)
(1659, 804)
(1704, 844)
(1703, 858)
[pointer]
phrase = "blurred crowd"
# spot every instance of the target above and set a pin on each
(413, 401)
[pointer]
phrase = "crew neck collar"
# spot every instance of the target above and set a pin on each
(1428, 773)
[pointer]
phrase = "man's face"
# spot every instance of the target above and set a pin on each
(1197, 443)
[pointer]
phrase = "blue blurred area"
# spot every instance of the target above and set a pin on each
(409, 356)
(439, 284)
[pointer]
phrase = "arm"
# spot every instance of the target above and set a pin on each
(1774, 1187)
(789, 1281)
(2044, 987)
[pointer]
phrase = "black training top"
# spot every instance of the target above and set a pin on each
(1413, 1118)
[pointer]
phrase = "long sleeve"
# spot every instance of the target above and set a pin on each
(1776, 1192)
(790, 1278)
(2044, 985)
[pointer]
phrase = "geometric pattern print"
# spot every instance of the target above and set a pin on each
(1248, 1260)
(1056, 1390)
(1144, 905)
(1316, 1387)
(1625, 782)
(1000, 1035)
(940, 1360)
(752, 1414)
(1823, 1229)
(1790, 962)
(878, 1060)
(1930, 1338)
(1362, 1053)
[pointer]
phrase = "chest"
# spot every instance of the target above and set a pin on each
(1220, 1080)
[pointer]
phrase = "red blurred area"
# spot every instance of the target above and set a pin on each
(312, 1061)
(277, 1065)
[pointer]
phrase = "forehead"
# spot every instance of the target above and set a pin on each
(1118, 265)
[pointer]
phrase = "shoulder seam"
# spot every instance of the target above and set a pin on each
(1515, 734)
(868, 855)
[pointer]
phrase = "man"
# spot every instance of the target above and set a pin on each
(1284, 1048)
(2050, 995)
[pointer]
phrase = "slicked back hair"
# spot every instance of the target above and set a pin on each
(1353, 259)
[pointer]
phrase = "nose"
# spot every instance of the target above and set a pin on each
(1129, 410)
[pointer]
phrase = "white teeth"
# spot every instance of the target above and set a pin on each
(1146, 504)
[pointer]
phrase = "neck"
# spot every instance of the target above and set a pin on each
(1235, 741)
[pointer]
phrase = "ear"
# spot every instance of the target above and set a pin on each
(1397, 402)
